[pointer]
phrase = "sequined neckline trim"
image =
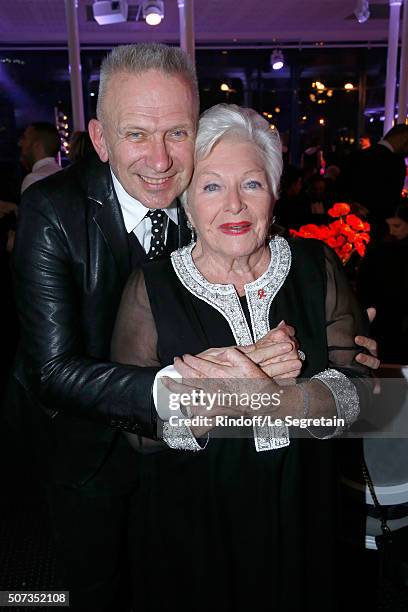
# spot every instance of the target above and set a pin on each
(224, 298)
(184, 256)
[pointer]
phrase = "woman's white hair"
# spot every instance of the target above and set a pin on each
(225, 120)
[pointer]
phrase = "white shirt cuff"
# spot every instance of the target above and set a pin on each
(161, 394)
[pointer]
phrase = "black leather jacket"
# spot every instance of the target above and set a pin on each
(71, 263)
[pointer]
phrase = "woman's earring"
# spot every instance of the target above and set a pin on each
(272, 230)
(192, 230)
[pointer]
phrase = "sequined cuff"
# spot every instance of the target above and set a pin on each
(270, 437)
(181, 437)
(345, 396)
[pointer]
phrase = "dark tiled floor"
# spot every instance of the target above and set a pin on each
(27, 557)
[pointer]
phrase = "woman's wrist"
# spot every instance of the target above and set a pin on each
(203, 426)
(291, 400)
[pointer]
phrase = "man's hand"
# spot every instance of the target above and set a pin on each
(370, 360)
(11, 238)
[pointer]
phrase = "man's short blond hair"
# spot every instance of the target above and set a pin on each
(137, 59)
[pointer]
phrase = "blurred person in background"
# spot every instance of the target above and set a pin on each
(320, 203)
(40, 144)
(312, 157)
(293, 207)
(374, 178)
(383, 283)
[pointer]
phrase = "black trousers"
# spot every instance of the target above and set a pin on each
(91, 530)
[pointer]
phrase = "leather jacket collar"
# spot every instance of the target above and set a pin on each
(97, 181)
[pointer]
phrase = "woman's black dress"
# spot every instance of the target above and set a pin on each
(230, 528)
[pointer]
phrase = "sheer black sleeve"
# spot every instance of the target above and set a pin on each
(348, 381)
(345, 319)
(134, 339)
(134, 342)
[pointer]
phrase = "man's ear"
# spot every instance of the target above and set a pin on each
(96, 133)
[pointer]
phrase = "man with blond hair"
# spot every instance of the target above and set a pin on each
(81, 232)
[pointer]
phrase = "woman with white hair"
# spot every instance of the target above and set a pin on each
(247, 522)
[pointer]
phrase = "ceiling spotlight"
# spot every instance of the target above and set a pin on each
(153, 12)
(348, 86)
(362, 11)
(277, 60)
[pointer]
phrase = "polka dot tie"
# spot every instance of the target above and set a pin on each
(157, 245)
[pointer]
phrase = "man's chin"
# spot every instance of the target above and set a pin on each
(158, 197)
(157, 200)
(155, 196)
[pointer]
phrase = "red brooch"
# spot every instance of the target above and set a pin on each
(261, 293)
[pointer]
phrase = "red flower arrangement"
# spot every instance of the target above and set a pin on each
(345, 235)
